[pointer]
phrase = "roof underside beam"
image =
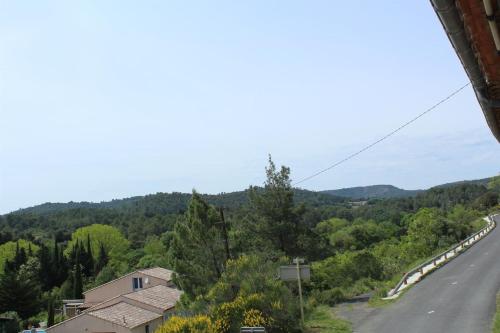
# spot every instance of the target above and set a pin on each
(467, 28)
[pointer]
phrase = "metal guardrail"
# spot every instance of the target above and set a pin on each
(443, 256)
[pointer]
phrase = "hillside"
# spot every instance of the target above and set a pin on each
(173, 203)
(483, 181)
(373, 191)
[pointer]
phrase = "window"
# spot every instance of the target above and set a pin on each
(137, 283)
(146, 329)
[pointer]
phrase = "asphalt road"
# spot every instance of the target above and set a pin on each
(457, 298)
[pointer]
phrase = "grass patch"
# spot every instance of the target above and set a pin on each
(322, 320)
(479, 224)
(496, 319)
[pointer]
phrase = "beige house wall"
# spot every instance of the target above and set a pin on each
(121, 286)
(153, 325)
(89, 324)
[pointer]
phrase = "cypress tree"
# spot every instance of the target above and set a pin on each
(59, 265)
(89, 259)
(21, 257)
(102, 259)
(47, 278)
(50, 312)
(77, 281)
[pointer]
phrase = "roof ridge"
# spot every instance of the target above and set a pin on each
(127, 304)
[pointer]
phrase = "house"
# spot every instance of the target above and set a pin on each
(135, 303)
(137, 280)
(117, 318)
(159, 299)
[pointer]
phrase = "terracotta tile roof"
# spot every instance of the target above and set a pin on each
(158, 272)
(161, 297)
(125, 314)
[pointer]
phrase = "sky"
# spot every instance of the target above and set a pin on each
(111, 99)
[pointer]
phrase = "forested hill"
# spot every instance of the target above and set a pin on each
(483, 181)
(175, 202)
(390, 191)
(373, 191)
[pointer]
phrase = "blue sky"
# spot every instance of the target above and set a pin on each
(109, 99)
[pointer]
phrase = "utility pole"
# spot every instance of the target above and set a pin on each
(297, 262)
(224, 232)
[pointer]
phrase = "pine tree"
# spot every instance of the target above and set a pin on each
(19, 295)
(276, 218)
(197, 247)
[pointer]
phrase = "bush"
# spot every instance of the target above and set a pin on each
(13, 325)
(243, 311)
(196, 324)
(328, 297)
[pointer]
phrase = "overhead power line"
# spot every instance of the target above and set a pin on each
(383, 138)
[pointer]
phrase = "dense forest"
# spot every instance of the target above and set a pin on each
(225, 249)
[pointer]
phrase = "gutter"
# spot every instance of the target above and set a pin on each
(452, 23)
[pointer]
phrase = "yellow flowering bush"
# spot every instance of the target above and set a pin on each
(243, 311)
(254, 317)
(196, 324)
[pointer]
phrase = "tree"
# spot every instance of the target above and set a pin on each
(275, 217)
(47, 268)
(50, 312)
(425, 230)
(247, 295)
(111, 238)
(15, 252)
(487, 200)
(196, 248)
(494, 184)
(59, 267)
(77, 281)
(155, 254)
(19, 294)
(102, 260)
(88, 259)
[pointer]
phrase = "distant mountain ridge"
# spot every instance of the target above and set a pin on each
(373, 191)
(390, 191)
(175, 202)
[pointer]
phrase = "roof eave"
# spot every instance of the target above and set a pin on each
(449, 15)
